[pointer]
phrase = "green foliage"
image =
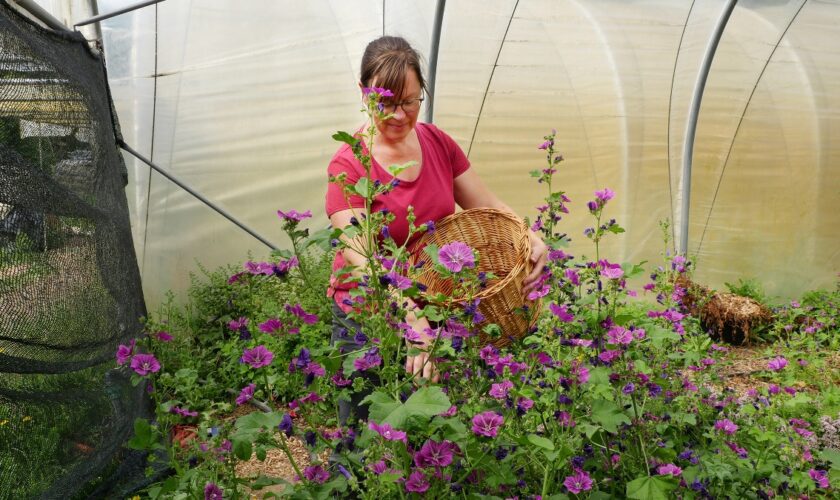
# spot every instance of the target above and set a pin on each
(750, 288)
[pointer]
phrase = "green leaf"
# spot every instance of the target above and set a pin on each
(258, 420)
(342, 136)
(608, 415)
(540, 441)
(799, 400)
(243, 449)
(659, 336)
(362, 187)
(323, 238)
(832, 455)
(261, 453)
(426, 402)
(651, 488)
(396, 168)
(432, 251)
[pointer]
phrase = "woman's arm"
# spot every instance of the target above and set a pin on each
(471, 192)
(419, 365)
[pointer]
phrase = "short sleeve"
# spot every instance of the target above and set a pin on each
(336, 200)
(457, 159)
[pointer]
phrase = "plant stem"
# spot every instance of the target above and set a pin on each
(285, 447)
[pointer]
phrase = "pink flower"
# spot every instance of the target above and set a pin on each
(609, 356)
(387, 432)
(382, 92)
(456, 255)
(619, 335)
(124, 352)
(820, 477)
(562, 312)
(163, 336)
(604, 195)
(294, 215)
(435, 454)
(246, 394)
(212, 492)
(257, 357)
(564, 418)
(577, 482)
(144, 364)
(316, 474)
(612, 273)
(450, 412)
(270, 325)
(573, 276)
(581, 373)
(487, 424)
(236, 324)
(726, 425)
(312, 397)
(500, 391)
(777, 364)
(417, 482)
(668, 469)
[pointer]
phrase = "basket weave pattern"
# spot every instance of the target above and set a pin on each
(501, 240)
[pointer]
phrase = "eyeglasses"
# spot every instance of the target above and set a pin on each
(409, 106)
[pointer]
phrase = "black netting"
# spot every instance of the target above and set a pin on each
(69, 284)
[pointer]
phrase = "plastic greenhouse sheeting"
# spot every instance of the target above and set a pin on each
(239, 99)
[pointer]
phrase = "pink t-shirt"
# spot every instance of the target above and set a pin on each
(431, 194)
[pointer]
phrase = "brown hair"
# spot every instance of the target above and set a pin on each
(386, 60)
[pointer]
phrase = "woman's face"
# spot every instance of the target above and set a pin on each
(401, 123)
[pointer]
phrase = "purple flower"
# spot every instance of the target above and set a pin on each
(434, 454)
(604, 195)
(577, 482)
(668, 469)
(777, 364)
(212, 492)
(382, 92)
(726, 425)
(820, 477)
(430, 227)
(612, 273)
(144, 364)
(124, 352)
(573, 276)
(487, 424)
(523, 405)
(370, 359)
(286, 425)
(562, 312)
(773, 389)
(629, 388)
(316, 474)
(294, 215)
(184, 412)
(257, 357)
(297, 310)
(609, 356)
(236, 324)
(450, 412)
(339, 380)
(456, 255)
(619, 335)
(270, 325)
(417, 482)
(388, 432)
(398, 281)
(500, 390)
(163, 336)
(246, 394)
(546, 145)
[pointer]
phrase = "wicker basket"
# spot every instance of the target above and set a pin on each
(501, 240)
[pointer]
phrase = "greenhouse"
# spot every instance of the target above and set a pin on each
(409, 248)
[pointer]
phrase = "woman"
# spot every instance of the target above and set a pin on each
(439, 177)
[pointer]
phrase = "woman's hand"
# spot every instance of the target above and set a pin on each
(539, 256)
(421, 365)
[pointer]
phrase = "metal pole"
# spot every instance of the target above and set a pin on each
(693, 115)
(433, 57)
(42, 15)
(117, 12)
(201, 198)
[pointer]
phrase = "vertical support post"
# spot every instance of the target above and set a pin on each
(433, 57)
(693, 115)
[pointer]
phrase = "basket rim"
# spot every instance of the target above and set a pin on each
(443, 223)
